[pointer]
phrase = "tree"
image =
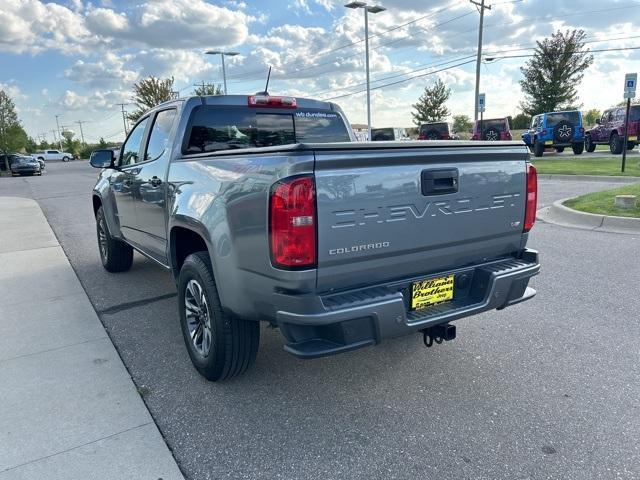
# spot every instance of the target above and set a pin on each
(31, 145)
(70, 145)
(431, 105)
(590, 116)
(462, 123)
(12, 135)
(521, 121)
(208, 89)
(150, 92)
(554, 72)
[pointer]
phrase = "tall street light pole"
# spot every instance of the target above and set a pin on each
(367, 10)
(59, 136)
(481, 8)
(224, 71)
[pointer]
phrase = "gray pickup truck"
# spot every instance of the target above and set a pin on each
(265, 208)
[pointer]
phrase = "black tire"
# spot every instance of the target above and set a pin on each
(630, 145)
(578, 148)
(233, 342)
(538, 148)
(432, 135)
(559, 149)
(491, 134)
(589, 146)
(563, 132)
(116, 256)
(615, 144)
(40, 158)
(65, 159)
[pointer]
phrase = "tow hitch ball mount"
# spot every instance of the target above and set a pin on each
(438, 334)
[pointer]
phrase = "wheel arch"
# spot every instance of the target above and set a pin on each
(186, 238)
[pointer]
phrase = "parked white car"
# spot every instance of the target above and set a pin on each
(47, 155)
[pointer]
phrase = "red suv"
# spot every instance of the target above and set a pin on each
(492, 129)
(610, 130)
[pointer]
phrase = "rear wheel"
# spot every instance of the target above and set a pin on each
(538, 148)
(630, 145)
(589, 146)
(65, 159)
(491, 134)
(433, 135)
(578, 148)
(116, 256)
(559, 149)
(220, 344)
(615, 144)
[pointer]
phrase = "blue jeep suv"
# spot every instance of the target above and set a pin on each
(555, 130)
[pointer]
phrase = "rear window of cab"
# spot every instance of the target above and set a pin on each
(215, 128)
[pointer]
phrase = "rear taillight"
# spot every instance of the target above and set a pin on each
(508, 135)
(292, 223)
(272, 102)
(532, 198)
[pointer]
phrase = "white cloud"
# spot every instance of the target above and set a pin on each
(72, 101)
(109, 72)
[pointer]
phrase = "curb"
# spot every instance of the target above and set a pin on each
(562, 215)
(589, 178)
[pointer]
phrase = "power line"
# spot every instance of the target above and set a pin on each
(458, 65)
(401, 81)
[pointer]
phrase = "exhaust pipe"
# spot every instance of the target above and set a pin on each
(438, 334)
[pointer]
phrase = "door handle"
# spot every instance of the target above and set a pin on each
(155, 181)
(439, 181)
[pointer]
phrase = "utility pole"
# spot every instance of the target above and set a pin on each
(59, 136)
(124, 118)
(54, 137)
(80, 122)
(481, 8)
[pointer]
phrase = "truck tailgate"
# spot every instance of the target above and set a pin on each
(408, 211)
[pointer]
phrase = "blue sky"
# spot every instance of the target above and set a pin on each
(78, 59)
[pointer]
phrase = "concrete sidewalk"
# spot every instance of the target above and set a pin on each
(68, 408)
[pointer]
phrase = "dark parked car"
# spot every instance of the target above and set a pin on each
(437, 131)
(23, 165)
(610, 130)
(555, 130)
(492, 129)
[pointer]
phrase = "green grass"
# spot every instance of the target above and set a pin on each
(602, 202)
(587, 166)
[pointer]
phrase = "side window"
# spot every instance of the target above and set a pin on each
(131, 148)
(159, 137)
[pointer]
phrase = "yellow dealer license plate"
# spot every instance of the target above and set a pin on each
(431, 292)
(633, 138)
(549, 142)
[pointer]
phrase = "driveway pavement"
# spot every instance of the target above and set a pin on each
(546, 389)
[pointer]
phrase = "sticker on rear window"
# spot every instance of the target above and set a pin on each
(316, 115)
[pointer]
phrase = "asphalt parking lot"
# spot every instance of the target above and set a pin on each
(546, 389)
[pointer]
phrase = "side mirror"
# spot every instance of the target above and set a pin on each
(597, 121)
(102, 159)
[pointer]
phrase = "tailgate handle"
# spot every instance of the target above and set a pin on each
(439, 181)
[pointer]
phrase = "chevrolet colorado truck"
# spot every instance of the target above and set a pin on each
(264, 208)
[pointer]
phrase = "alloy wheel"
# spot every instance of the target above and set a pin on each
(198, 317)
